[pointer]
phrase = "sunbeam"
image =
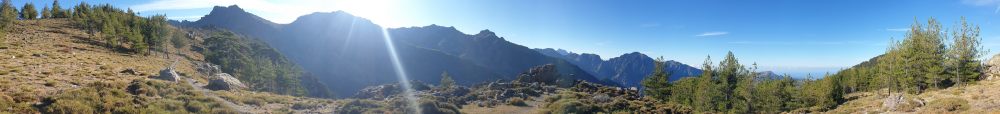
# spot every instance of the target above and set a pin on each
(400, 72)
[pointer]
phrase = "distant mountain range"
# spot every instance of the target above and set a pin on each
(628, 69)
(349, 53)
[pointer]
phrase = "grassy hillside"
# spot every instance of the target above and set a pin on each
(979, 98)
(50, 66)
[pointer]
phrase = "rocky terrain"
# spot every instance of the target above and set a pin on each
(49, 66)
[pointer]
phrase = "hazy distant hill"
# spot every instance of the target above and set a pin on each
(349, 52)
(628, 69)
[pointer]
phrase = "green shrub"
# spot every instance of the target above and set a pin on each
(139, 96)
(517, 101)
(360, 106)
(566, 106)
(948, 104)
(433, 107)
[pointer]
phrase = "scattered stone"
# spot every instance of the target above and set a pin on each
(224, 81)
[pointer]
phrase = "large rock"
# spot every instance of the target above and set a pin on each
(545, 74)
(207, 68)
(385, 91)
(993, 68)
(223, 81)
(169, 74)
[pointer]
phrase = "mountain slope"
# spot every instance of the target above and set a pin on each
(628, 69)
(49, 66)
(349, 52)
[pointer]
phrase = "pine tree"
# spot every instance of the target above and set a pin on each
(446, 81)
(683, 91)
(730, 71)
(963, 53)
(657, 84)
(57, 12)
(709, 94)
(8, 14)
(46, 13)
(28, 12)
(923, 51)
(744, 91)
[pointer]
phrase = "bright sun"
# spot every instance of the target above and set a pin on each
(378, 11)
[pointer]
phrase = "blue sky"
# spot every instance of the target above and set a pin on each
(786, 36)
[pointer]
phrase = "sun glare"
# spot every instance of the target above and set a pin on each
(378, 11)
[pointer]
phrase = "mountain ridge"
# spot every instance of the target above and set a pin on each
(350, 51)
(627, 69)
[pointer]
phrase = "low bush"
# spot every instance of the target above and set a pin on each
(948, 104)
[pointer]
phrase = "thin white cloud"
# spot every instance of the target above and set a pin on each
(898, 29)
(992, 3)
(712, 34)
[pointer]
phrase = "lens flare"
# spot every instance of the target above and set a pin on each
(400, 72)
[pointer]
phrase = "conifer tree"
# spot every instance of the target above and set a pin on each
(446, 81)
(657, 84)
(963, 53)
(46, 13)
(708, 94)
(8, 14)
(28, 11)
(57, 12)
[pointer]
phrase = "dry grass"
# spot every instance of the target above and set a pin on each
(43, 58)
(980, 97)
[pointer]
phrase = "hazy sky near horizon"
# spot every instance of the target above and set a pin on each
(785, 36)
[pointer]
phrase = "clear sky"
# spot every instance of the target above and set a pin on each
(785, 36)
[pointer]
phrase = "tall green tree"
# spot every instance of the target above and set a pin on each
(7, 16)
(923, 51)
(657, 84)
(709, 94)
(57, 12)
(46, 12)
(28, 11)
(743, 94)
(962, 61)
(729, 73)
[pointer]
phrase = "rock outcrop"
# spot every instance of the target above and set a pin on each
(223, 81)
(992, 71)
(169, 74)
(207, 68)
(545, 74)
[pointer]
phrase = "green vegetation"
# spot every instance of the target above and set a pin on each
(446, 81)
(260, 67)
(8, 14)
(656, 85)
(138, 96)
(920, 62)
(120, 29)
(948, 104)
(46, 13)
(28, 11)
(58, 12)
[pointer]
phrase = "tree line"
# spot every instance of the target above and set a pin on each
(924, 60)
